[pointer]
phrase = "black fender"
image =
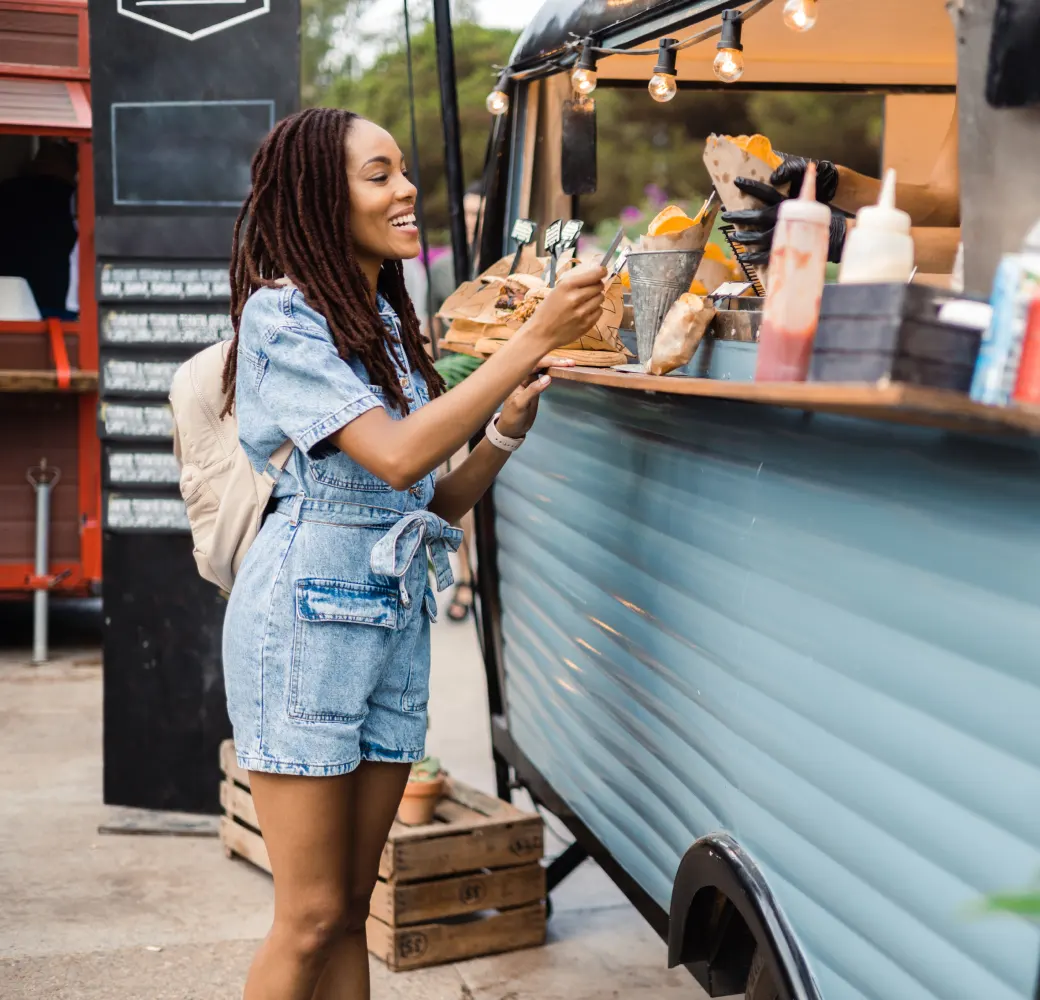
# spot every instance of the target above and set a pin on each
(722, 909)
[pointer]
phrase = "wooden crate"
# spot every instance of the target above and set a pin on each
(470, 883)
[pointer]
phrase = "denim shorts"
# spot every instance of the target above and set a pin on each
(327, 637)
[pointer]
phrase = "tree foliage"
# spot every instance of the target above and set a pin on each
(381, 94)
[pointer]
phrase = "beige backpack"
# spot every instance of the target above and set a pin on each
(224, 496)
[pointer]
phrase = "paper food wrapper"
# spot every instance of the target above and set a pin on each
(693, 237)
(473, 314)
(713, 273)
(680, 334)
(588, 358)
(725, 162)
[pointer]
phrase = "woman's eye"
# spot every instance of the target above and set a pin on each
(379, 178)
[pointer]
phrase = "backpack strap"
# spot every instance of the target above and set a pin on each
(276, 463)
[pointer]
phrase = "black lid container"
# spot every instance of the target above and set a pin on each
(892, 332)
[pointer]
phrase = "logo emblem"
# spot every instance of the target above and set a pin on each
(193, 19)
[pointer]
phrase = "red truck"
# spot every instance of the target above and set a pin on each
(50, 477)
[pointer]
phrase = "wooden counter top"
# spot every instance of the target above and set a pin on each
(897, 402)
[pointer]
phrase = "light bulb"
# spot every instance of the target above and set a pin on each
(498, 102)
(662, 87)
(800, 15)
(584, 81)
(729, 65)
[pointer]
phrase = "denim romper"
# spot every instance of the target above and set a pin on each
(327, 633)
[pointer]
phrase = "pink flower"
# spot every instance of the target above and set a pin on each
(630, 214)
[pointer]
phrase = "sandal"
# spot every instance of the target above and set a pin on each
(461, 602)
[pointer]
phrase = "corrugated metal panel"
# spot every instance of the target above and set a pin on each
(45, 104)
(817, 634)
(39, 38)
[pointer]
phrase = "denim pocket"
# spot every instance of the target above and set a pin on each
(341, 634)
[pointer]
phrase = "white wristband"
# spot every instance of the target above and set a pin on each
(498, 439)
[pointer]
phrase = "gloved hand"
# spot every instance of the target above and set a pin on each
(792, 171)
(755, 226)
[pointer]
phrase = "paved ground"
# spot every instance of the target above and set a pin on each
(89, 917)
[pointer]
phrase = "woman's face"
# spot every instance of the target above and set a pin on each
(382, 198)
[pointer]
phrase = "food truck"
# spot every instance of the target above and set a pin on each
(50, 494)
(770, 649)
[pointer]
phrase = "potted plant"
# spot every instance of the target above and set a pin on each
(422, 793)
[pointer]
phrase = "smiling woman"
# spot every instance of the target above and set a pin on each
(327, 631)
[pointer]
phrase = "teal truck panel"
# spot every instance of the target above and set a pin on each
(818, 634)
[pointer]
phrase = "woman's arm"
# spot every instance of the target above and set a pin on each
(401, 452)
(459, 490)
(936, 203)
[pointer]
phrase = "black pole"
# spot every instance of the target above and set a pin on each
(452, 147)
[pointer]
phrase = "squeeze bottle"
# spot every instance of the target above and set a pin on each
(797, 270)
(880, 249)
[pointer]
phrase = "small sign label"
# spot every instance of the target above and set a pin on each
(175, 283)
(145, 377)
(151, 468)
(159, 328)
(123, 513)
(552, 236)
(523, 231)
(129, 421)
(570, 233)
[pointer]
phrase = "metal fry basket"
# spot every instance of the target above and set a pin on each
(658, 278)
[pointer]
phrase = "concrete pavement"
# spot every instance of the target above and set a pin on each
(90, 917)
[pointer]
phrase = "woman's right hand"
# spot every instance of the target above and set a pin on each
(573, 307)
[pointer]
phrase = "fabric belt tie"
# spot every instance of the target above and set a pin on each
(395, 552)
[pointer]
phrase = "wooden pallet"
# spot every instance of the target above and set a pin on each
(470, 883)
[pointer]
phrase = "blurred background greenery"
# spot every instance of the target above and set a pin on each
(367, 72)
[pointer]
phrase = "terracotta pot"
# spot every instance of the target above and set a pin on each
(420, 801)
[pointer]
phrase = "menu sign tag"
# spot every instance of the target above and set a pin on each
(569, 236)
(523, 233)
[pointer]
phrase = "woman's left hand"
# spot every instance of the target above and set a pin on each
(520, 409)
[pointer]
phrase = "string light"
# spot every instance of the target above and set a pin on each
(498, 99)
(800, 15)
(662, 84)
(584, 76)
(729, 62)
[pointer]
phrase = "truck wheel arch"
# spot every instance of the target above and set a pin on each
(723, 911)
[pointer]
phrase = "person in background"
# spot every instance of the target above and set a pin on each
(934, 208)
(453, 369)
(37, 226)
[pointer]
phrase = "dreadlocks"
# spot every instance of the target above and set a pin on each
(295, 224)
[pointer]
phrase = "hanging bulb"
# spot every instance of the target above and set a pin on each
(729, 65)
(498, 99)
(729, 62)
(800, 15)
(663, 84)
(584, 76)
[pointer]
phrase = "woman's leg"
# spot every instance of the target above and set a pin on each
(306, 824)
(377, 794)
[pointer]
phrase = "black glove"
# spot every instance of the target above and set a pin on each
(755, 226)
(792, 171)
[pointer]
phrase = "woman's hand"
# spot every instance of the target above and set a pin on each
(572, 308)
(520, 409)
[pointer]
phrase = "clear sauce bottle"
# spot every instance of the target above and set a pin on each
(797, 271)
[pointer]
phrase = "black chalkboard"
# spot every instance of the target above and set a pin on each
(148, 169)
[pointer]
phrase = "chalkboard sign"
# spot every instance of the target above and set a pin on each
(126, 327)
(140, 468)
(135, 421)
(144, 513)
(125, 281)
(224, 135)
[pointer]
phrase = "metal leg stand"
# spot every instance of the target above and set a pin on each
(563, 865)
(42, 479)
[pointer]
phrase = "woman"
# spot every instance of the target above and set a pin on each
(326, 639)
